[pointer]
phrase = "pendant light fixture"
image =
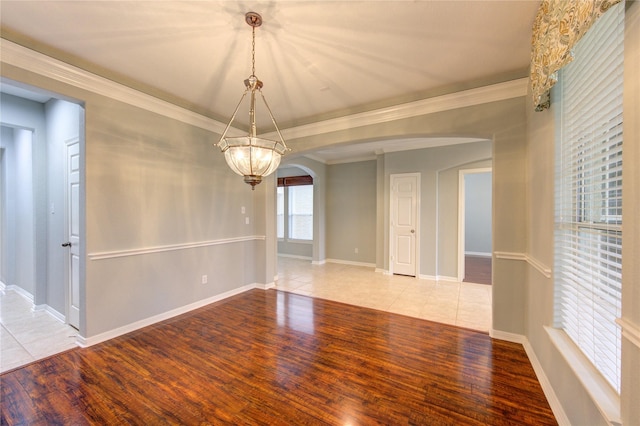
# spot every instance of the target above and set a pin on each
(251, 156)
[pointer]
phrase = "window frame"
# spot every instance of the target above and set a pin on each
(286, 183)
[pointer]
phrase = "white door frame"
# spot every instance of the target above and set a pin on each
(461, 215)
(417, 228)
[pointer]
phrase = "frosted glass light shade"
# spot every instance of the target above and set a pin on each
(252, 157)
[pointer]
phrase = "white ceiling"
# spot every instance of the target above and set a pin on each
(316, 58)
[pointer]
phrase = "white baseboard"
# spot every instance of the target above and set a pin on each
(318, 262)
(352, 263)
(266, 286)
(448, 279)
(294, 256)
(2, 287)
(22, 292)
(477, 253)
(509, 337)
(552, 399)
(48, 309)
(99, 338)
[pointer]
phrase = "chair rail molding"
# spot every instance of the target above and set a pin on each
(535, 263)
(172, 247)
(629, 331)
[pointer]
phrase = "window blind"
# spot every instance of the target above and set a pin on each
(588, 217)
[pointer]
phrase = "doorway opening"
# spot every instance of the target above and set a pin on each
(475, 226)
(41, 199)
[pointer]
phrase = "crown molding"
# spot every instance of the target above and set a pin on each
(22, 57)
(481, 95)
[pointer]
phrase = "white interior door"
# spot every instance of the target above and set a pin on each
(404, 223)
(73, 232)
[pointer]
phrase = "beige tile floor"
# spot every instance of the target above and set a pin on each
(457, 303)
(26, 336)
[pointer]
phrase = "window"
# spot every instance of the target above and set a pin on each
(295, 197)
(588, 217)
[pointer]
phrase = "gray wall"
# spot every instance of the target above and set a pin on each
(448, 206)
(504, 122)
(25, 189)
(18, 254)
(152, 181)
(149, 182)
(438, 168)
(477, 205)
(62, 125)
(351, 212)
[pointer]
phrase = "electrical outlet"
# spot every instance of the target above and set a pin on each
(243, 210)
(246, 220)
(356, 250)
(204, 279)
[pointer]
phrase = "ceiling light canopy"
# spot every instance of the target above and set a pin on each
(251, 156)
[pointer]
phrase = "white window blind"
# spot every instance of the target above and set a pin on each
(280, 213)
(301, 212)
(588, 218)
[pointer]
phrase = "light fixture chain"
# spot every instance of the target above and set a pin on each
(253, 52)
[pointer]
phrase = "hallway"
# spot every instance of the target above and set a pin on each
(26, 336)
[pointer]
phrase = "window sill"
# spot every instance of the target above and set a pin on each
(602, 394)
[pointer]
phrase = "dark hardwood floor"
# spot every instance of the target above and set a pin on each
(275, 358)
(477, 269)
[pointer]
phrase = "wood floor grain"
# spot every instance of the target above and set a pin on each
(275, 358)
(477, 269)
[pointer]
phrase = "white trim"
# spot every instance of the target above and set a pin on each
(172, 247)
(44, 65)
(318, 262)
(481, 95)
(28, 59)
(539, 266)
(3, 287)
(349, 262)
(266, 286)
(630, 331)
(552, 398)
(510, 255)
(447, 279)
(535, 263)
(508, 337)
(477, 254)
(22, 292)
(428, 277)
(294, 256)
(111, 334)
(48, 309)
(602, 394)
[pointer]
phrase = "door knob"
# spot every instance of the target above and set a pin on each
(413, 231)
(67, 244)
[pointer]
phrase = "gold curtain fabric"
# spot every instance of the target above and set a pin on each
(559, 25)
